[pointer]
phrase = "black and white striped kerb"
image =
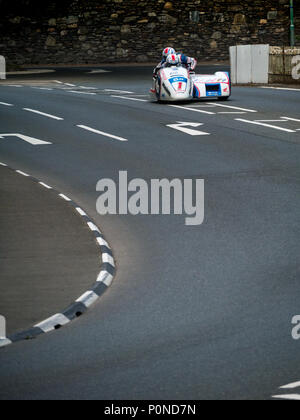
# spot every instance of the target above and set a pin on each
(80, 306)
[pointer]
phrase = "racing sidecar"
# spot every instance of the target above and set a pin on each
(177, 83)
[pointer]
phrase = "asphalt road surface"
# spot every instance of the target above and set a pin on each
(194, 312)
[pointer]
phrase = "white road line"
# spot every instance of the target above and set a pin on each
(45, 185)
(292, 397)
(266, 125)
(291, 386)
(193, 109)
(108, 259)
(270, 121)
(5, 104)
(86, 87)
(43, 114)
(102, 133)
(118, 91)
(129, 99)
(102, 242)
(232, 112)
(93, 227)
(279, 88)
(64, 197)
(51, 323)
(88, 298)
(57, 81)
(105, 277)
(69, 84)
(99, 71)
(30, 72)
(291, 119)
(16, 86)
(80, 211)
(81, 93)
(3, 164)
(22, 173)
(210, 105)
(39, 88)
(234, 107)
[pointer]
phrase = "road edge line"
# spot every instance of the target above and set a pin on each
(79, 306)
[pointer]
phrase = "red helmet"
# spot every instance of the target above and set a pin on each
(167, 51)
(172, 60)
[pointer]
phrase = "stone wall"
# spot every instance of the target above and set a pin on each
(98, 31)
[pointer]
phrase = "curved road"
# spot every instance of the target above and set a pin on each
(195, 312)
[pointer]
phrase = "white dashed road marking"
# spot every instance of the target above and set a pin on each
(50, 324)
(82, 93)
(22, 173)
(41, 88)
(232, 112)
(93, 227)
(287, 130)
(291, 119)
(129, 99)
(193, 109)
(45, 185)
(30, 72)
(102, 242)
(102, 133)
(5, 104)
(201, 105)
(108, 259)
(118, 91)
(43, 114)
(100, 71)
(88, 88)
(267, 121)
(292, 397)
(88, 298)
(64, 197)
(291, 386)
(105, 278)
(279, 88)
(234, 107)
(80, 211)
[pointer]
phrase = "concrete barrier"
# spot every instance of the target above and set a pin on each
(2, 68)
(2, 327)
(249, 64)
(284, 65)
